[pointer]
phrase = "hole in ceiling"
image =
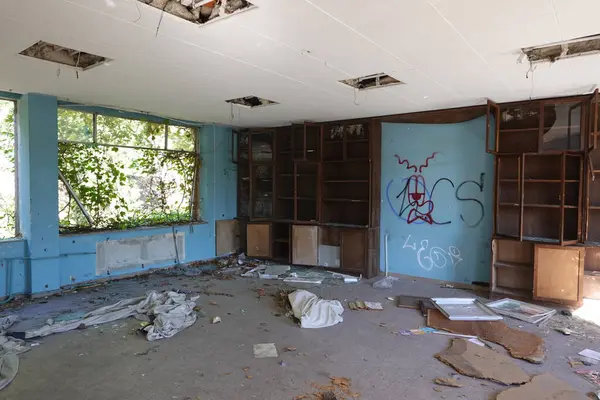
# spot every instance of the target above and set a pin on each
(63, 55)
(586, 45)
(251, 102)
(372, 81)
(200, 11)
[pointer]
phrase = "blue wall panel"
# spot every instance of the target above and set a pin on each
(437, 193)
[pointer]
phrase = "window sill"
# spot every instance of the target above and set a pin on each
(141, 228)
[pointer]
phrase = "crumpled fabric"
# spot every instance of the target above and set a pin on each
(10, 348)
(314, 312)
(171, 310)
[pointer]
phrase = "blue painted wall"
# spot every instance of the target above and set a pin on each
(437, 193)
(43, 260)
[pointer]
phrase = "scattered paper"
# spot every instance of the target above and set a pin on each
(265, 350)
(447, 382)
(594, 355)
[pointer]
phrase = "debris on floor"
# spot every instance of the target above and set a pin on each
(522, 311)
(591, 375)
(385, 283)
(480, 362)
(520, 344)
(216, 320)
(170, 313)
(265, 350)
(443, 381)
(340, 388)
(314, 312)
(464, 309)
(10, 349)
(542, 387)
(294, 274)
(273, 271)
(364, 305)
(594, 355)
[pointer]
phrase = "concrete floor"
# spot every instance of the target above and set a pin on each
(206, 361)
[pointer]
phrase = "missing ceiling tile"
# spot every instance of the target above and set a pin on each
(200, 11)
(583, 46)
(372, 81)
(63, 55)
(251, 102)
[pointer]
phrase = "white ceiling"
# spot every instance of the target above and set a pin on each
(449, 52)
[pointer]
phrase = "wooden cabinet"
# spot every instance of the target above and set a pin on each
(354, 250)
(259, 239)
(558, 274)
(512, 268)
(305, 245)
(318, 185)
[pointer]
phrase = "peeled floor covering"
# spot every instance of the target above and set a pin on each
(525, 345)
(480, 362)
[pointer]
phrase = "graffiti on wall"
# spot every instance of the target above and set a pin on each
(415, 202)
(433, 257)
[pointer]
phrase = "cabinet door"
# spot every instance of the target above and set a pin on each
(354, 250)
(305, 245)
(558, 274)
(259, 240)
(227, 236)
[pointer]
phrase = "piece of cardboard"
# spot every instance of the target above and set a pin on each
(542, 387)
(520, 344)
(480, 362)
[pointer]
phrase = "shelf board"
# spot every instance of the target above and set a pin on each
(357, 141)
(522, 293)
(520, 130)
(535, 180)
(535, 205)
(510, 264)
(281, 240)
(348, 160)
(347, 200)
(594, 207)
(296, 198)
(348, 181)
(333, 141)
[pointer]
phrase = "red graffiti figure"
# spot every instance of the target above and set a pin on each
(420, 208)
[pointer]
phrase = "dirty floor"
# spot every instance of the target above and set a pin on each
(216, 362)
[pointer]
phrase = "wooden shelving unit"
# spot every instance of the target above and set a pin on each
(323, 195)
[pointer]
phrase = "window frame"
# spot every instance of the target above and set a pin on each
(17, 231)
(195, 216)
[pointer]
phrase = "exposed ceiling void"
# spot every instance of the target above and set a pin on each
(200, 11)
(63, 55)
(372, 81)
(251, 102)
(583, 46)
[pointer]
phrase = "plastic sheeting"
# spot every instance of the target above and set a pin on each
(9, 350)
(171, 312)
(314, 312)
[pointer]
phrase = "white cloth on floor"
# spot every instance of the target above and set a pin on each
(171, 310)
(9, 350)
(314, 312)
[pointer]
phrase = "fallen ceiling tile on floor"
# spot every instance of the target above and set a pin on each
(480, 362)
(520, 344)
(542, 387)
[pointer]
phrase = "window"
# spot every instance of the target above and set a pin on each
(117, 173)
(7, 170)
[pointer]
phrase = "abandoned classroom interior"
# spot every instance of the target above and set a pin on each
(185, 185)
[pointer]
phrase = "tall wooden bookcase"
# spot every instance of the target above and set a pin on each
(540, 149)
(323, 177)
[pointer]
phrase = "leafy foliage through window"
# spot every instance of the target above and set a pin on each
(7, 169)
(125, 173)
